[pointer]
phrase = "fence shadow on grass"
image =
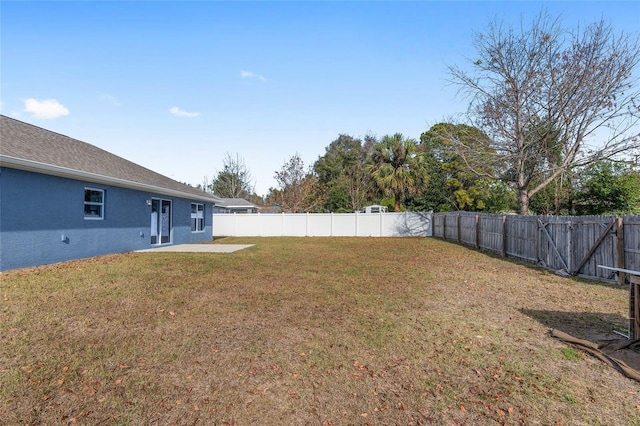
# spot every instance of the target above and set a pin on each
(590, 326)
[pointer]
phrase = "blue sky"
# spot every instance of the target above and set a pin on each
(174, 86)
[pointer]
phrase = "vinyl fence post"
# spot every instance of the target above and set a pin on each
(331, 230)
(235, 224)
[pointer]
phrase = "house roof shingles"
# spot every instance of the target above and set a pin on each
(41, 148)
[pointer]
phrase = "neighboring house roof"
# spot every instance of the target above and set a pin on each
(28, 147)
(236, 203)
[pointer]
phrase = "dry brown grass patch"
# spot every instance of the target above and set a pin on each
(306, 331)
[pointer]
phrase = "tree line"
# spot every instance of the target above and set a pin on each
(552, 128)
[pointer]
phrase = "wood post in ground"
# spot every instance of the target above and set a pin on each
(477, 231)
(620, 250)
(504, 236)
(634, 332)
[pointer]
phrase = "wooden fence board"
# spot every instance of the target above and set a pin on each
(491, 233)
(575, 244)
(632, 242)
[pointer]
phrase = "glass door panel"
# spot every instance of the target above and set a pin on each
(160, 221)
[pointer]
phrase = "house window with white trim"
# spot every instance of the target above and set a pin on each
(197, 217)
(93, 203)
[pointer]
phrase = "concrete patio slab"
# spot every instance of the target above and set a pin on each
(199, 248)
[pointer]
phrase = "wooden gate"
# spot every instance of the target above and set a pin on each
(577, 245)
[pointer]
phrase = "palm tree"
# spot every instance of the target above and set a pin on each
(398, 168)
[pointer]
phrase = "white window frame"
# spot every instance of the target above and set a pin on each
(94, 203)
(199, 221)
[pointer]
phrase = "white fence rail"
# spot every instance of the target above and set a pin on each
(407, 224)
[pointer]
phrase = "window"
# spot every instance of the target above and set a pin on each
(93, 203)
(197, 217)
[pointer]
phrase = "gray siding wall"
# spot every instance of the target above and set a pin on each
(37, 210)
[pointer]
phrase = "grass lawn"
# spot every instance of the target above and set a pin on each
(296, 331)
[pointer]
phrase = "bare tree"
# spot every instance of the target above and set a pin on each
(551, 100)
(234, 180)
(299, 190)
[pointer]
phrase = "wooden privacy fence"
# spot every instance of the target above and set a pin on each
(573, 244)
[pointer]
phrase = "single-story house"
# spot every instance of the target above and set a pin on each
(235, 205)
(64, 199)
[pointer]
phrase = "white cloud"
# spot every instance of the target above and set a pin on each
(110, 99)
(251, 74)
(45, 109)
(180, 113)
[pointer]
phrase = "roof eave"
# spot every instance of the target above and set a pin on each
(48, 169)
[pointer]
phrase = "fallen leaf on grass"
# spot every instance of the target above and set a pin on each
(90, 390)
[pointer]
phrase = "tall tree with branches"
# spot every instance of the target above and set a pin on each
(234, 180)
(342, 170)
(551, 100)
(298, 189)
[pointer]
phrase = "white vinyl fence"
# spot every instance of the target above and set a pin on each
(408, 224)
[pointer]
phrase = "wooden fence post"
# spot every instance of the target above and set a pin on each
(458, 228)
(620, 249)
(477, 229)
(504, 236)
(444, 226)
